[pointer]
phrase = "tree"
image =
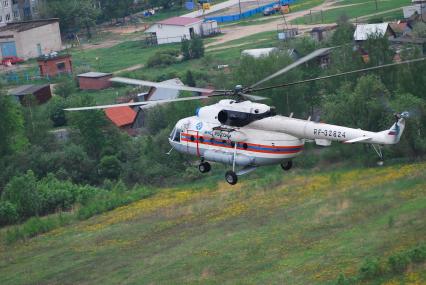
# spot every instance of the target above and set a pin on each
(56, 111)
(11, 127)
(186, 49)
(343, 33)
(197, 47)
(22, 192)
(189, 79)
(8, 213)
(115, 9)
(166, 4)
(73, 14)
(90, 126)
(110, 167)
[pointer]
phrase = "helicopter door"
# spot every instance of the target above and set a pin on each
(193, 137)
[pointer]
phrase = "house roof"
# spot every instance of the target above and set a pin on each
(27, 25)
(121, 116)
(362, 32)
(27, 89)
(400, 27)
(180, 21)
(94, 74)
(163, 93)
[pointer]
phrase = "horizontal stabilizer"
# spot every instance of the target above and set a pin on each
(360, 139)
(323, 142)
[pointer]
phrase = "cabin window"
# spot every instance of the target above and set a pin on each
(233, 144)
(201, 139)
(245, 146)
(192, 138)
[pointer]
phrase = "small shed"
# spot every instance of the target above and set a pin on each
(54, 64)
(174, 30)
(94, 80)
(42, 93)
(320, 34)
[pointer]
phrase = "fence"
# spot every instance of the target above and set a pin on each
(246, 14)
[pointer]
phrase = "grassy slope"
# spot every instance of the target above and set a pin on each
(299, 228)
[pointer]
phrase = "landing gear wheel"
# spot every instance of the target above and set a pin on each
(231, 177)
(204, 167)
(287, 166)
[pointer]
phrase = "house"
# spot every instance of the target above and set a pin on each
(17, 10)
(320, 34)
(364, 31)
(54, 64)
(30, 39)
(155, 94)
(418, 7)
(123, 117)
(401, 28)
(94, 80)
(174, 30)
(42, 93)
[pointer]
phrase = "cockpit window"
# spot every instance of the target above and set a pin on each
(175, 135)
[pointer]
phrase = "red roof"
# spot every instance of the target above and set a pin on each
(180, 21)
(121, 116)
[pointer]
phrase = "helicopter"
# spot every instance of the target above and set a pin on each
(244, 134)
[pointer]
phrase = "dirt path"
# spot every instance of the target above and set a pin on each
(234, 33)
(131, 68)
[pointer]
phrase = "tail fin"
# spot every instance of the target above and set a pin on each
(398, 127)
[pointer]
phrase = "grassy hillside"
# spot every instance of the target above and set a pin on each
(272, 228)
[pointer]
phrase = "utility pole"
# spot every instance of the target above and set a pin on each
(239, 5)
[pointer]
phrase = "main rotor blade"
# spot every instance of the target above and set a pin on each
(253, 97)
(338, 74)
(159, 85)
(298, 62)
(146, 103)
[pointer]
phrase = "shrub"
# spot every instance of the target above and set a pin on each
(8, 213)
(371, 268)
(161, 59)
(110, 167)
(418, 254)
(21, 191)
(399, 262)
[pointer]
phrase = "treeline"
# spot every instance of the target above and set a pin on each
(81, 15)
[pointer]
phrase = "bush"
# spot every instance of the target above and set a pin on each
(161, 59)
(371, 268)
(21, 191)
(399, 262)
(8, 213)
(418, 254)
(110, 167)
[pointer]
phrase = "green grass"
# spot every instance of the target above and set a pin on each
(363, 8)
(303, 227)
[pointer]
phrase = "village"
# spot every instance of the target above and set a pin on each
(41, 43)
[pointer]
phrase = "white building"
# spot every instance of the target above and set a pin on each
(30, 39)
(175, 29)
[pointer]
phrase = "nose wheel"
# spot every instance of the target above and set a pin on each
(204, 167)
(287, 165)
(231, 177)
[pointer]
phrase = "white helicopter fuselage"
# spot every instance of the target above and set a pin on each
(249, 134)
